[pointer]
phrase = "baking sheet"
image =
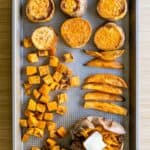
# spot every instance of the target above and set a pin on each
(22, 28)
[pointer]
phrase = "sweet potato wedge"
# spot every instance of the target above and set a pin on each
(103, 88)
(107, 56)
(104, 64)
(100, 96)
(110, 79)
(106, 107)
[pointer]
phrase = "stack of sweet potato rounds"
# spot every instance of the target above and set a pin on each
(106, 88)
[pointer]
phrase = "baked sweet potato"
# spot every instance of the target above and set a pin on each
(106, 107)
(100, 96)
(103, 88)
(110, 79)
(105, 55)
(104, 64)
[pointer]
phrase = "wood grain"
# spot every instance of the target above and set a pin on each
(5, 74)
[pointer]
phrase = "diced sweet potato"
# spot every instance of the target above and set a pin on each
(28, 92)
(61, 131)
(62, 98)
(39, 115)
(61, 68)
(36, 94)
(44, 99)
(54, 61)
(32, 57)
(51, 142)
(52, 134)
(52, 106)
(25, 137)
(75, 81)
(43, 53)
(27, 42)
(35, 79)
(32, 121)
(68, 57)
(41, 108)
(23, 123)
(48, 79)
(55, 147)
(31, 70)
(57, 76)
(54, 86)
(41, 124)
(51, 125)
(44, 70)
(61, 110)
(38, 132)
(30, 131)
(48, 116)
(27, 86)
(31, 105)
(44, 89)
(35, 148)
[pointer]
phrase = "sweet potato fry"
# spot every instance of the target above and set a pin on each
(106, 107)
(104, 64)
(110, 79)
(103, 88)
(99, 96)
(107, 56)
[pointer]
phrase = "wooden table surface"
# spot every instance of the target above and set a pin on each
(5, 75)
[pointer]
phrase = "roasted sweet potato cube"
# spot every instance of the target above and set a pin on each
(25, 137)
(39, 115)
(36, 93)
(53, 61)
(31, 70)
(30, 131)
(52, 106)
(27, 42)
(23, 123)
(52, 134)
(56, 147)
(27, 113)
(62, 98)
(44, 99)
(35, 148)
(40, 108)
(38, 132)
(51, 142)
(48, 116)
(53, 86)
(61, 110)
(48, 79)
(61, 131)
(43, 53)
(44, 89)
(32, 121)
(35, 79)
(75, 81)
(27, 86)
(57, 76)
(44, 70)
(32, 57)
(51, 126)
(61, 68)
(31, 105)
(68, 57)
(41, 124)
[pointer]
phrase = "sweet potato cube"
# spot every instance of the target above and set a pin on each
(51, 126)
(30, 131)
(41, 124)
(61, 110)
(27, 86)
(52, 134)
(40, 108)
(56, 147)
(31, 70)
(68, 57)
(62, 98)
(39, 115)
(51, 142)
(38, 132)
(23, 123)
(44, 70)
(35, 79)
(57, 76)
(33, 57)
(61, 131)
(43, 53)
(25, 137)
(52, 106)
(44, 99)
(35, 148)
(36, 94)
(74, 81)
(61, 68)
(27, 42)
(48, 116)
(27, 113)
(32, 121)
(44, 89)
(53, 61)
(48, 79)
(31, 105)
(53, 86)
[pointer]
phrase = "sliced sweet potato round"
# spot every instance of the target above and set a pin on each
(109, 37)
(76, 32)
(45, 38)
(112, 9)
(73, 8)
(40, 10)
